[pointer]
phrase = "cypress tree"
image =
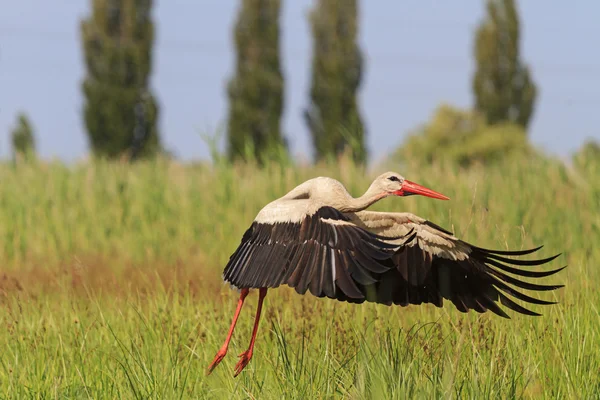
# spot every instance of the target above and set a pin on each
(23, 142)
(120, 111)
(333, 116)
(502, 84)
(256, 90)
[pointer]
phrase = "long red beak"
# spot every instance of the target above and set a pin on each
(410, 188)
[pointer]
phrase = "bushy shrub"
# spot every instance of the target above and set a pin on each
(462, 137)
(588, 156)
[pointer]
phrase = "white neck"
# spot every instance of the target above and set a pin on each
(371, 196)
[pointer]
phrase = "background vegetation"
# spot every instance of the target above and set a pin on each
(121, 113)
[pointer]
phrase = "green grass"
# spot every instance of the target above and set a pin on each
(111, 288)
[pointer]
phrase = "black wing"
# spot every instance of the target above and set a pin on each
(332, 258)
(478, 282)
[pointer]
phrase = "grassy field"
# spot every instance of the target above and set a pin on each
(110, 288)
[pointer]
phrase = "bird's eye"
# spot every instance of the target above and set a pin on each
(394, 179)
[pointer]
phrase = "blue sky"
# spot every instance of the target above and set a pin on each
(418, 54)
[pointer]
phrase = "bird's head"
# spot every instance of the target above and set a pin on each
(394, 184)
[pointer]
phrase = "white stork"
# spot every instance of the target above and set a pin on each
(319, 238)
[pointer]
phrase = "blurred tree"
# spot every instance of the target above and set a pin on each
(256, 90)
(463, 138)
(120, 111)
(503, 87)
(333, 116)
(23, 142)
(588, 155)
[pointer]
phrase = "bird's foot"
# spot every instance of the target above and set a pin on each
(218, 358)
(244, 360)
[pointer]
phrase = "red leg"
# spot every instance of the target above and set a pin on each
(247, 355)
(221, 353)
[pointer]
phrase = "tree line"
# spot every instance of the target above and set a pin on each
(121, 111)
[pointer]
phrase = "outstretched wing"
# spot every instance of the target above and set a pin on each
(324, 253)
(432, 265)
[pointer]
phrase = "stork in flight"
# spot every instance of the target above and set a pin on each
(318, 238)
